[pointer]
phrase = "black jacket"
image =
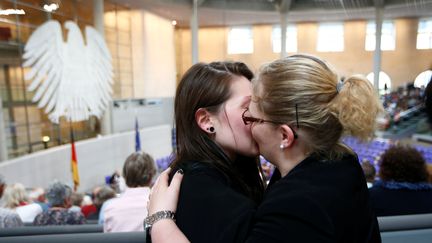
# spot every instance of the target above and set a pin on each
(209, 210)
(317, 201)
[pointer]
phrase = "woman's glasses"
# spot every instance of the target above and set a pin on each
(250, 119)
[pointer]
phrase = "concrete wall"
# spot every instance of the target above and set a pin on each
(96, 157)
(402, 64)
(149, 112)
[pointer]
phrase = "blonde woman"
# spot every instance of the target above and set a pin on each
(298, 113)
(15, 198)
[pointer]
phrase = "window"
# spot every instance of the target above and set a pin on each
(384, 82)
(424, 34)
(240, 40)
(291, 39)
(388, 36)
(423, 79)
(330, 37)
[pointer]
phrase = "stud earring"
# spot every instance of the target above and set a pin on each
(282, 146)
(210, 129)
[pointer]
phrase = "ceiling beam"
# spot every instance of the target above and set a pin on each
(283, 6)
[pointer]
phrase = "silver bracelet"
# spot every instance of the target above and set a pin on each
(150, 220)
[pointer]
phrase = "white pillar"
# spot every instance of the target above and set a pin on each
(379, 12)
(98, 21)
(194, 31)
(3, 146)
(283, 26)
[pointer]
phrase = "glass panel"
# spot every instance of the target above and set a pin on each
(124, 38)
(424, 34)
(123, 23)
(110, 20)
(124, 52)
(388, 36)
(330, 37)
(240, 40)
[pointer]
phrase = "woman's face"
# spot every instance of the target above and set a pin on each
(231, 133)
(266, 135)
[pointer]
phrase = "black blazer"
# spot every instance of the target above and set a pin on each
(209, 210)
(318, 201)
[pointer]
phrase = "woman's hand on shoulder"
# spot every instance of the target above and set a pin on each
(164, 196)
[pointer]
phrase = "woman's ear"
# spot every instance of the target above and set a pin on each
(288, 136)
(204, 121)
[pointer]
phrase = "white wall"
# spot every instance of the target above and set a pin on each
(96, 157)
(151, 112)
(153, 54)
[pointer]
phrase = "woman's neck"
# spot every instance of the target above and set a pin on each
(290, 159)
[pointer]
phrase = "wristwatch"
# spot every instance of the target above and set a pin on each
(150, 220)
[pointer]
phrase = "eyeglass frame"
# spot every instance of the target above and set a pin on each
(250, 119)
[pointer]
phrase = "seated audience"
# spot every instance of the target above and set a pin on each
(369, 171)
(89, 208)
(15, 198)
(59, 197)
(128, 212)
(9, 219)
(429, 168)
(76, 201)
(37, 195)
(428, 101)
(403, 187)
(2, 187)
(104, 194)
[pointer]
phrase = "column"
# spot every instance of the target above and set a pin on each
(194, 31)
(3, 146)
(283, 26)
(98, 20)
(379, 12)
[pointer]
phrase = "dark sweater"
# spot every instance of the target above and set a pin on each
(209, 209)
(317, 201)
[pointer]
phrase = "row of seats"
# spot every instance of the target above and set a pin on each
(373, 149)
(395, 229)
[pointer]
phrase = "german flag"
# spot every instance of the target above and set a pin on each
(74, 162)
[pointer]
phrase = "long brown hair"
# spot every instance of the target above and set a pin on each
(208, 86)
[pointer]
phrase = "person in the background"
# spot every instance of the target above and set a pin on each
(59, 197)
(369, 171)
(128, 212)
(37, 195)
(16, 198)
(428, 101)
(9, 219)
(2, 187)
(76, 200)
(104, 194)
(89, 207)
(403, 187)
